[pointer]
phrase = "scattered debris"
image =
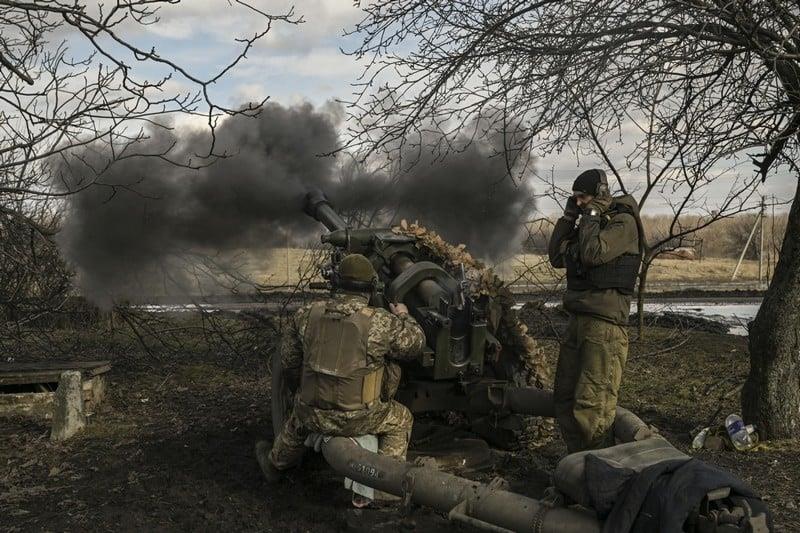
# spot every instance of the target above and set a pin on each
(699, 440)
(743, 437)
(733, 435)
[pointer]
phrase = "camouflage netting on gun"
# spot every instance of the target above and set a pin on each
(526, 353)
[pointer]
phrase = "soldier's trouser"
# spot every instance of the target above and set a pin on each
(589, 371)
(390, 421)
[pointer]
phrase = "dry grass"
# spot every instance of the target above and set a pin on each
(712, 270)
(284, 265)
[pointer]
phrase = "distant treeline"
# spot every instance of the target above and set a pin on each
(724, 238)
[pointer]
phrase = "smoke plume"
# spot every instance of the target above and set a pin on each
(125, 231)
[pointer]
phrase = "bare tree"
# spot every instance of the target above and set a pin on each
(33, 276)
(731, 70)
(76, 78)
(680, 173)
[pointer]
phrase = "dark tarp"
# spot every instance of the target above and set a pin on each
(660, 497)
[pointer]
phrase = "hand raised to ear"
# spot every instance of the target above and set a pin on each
(571, 210)
(598, 205)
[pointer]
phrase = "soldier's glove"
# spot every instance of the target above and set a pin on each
(571, 209)
(598, 205)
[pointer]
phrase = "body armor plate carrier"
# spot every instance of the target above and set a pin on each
(337, 371)
(619, 273)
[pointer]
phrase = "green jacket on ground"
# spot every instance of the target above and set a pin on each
(597, 240)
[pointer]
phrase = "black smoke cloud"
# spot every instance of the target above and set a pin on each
(124, 233)
(468, 198)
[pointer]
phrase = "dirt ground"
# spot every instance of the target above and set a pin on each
(171, 447)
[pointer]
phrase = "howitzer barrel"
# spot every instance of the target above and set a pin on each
(319, 207)
(488, 507)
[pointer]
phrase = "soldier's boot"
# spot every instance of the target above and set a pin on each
(272, 474)
(360, 502)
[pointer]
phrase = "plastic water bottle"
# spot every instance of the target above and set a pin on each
(738, 433)
(700, 439)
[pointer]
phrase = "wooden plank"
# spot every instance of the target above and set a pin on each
(50, 364)
(23, 373)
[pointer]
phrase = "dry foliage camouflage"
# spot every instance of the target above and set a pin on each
(507, 326)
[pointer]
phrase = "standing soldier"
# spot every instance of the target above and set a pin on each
(340, 347)
(602, 255)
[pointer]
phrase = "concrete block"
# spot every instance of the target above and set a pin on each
(68, 416)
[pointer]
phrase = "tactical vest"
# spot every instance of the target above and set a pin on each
(619, 273)
(337, 372)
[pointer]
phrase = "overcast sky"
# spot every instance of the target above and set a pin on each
(304, 63)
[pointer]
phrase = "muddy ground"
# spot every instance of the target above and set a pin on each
(171, 447)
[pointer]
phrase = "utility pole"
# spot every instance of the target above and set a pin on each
(747, 245)
(761, 246)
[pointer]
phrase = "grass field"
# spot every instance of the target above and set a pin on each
(529, 267)
(283, 267)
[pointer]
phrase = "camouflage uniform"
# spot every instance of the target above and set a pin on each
(389, 336)
(594, 350)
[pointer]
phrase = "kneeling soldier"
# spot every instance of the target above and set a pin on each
(341, 348)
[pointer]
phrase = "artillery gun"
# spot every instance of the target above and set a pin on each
(463, 366)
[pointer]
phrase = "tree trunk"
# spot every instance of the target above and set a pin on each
(771, 393)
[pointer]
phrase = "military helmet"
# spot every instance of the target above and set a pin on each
(356, 267)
